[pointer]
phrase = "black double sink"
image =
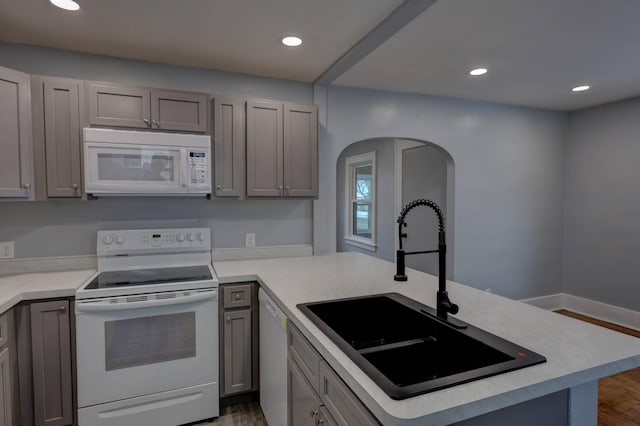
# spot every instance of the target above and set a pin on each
(405, 349)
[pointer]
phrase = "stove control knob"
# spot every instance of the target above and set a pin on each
(180, 237)
(190, 236)
(120, 239)
(201, 236)
(107, 239)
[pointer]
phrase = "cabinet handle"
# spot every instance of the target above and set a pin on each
(313, 413)
(75, 186)
(62, 309)
(218, 187)
(155, 123)
(146, 122)
(228, 318)
(27, 185)
(320, 421)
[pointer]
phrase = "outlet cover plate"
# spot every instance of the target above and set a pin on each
(6, 250)
(250, 240)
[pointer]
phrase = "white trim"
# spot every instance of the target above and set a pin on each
(349, 169)
(263, 252)
(363, 243)
(602, 311)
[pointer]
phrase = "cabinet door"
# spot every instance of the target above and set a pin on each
(6, 418)
(15, 134)
(303, 403)
(264, 149)
(119, 106)
(51, 355)
(325, 418)
(237, 351)
(174, 110)
(229, 141)
(300, 150)
(341, 402)
(62, 138)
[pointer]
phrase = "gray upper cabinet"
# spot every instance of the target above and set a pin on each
(15, 134)
(119, 106)
(122, 106)
(173, 110)
(282, 149)
(264, 149)
(229, 146)
(300, 150)
(57, 106)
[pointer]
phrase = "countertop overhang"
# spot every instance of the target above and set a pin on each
(577, 353)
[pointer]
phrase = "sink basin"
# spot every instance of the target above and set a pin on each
(403, 347)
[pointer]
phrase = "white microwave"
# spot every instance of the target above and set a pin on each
(125, 162)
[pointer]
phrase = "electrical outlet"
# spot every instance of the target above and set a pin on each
(488, 290)
(6, 250)
(250, 240)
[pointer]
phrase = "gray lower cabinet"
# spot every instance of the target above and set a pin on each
(45, 368)
(15, 134)
(229, 146)
(155, 109)
(57, 105)
(282, 149)
(316, 395)
(238, 339)
(8, 376)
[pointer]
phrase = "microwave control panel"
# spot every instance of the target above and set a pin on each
(198, 168)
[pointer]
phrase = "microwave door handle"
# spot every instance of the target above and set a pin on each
(180, 300)
(184, 184)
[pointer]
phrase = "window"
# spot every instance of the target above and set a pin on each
(360, 197)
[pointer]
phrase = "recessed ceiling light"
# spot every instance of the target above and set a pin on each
(478, 71)
(66, 4)
(580, 88)
(291, 41)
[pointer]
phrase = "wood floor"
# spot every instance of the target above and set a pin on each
(248, 414)
(618, 395)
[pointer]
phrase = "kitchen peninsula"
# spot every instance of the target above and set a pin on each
(561, 391)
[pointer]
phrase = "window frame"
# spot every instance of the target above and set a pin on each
(351, 165)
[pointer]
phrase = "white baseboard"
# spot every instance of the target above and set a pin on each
(602, 311)
(264, 252)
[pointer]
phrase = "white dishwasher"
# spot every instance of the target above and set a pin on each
(273, 361)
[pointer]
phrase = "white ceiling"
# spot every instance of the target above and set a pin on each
(536, 50)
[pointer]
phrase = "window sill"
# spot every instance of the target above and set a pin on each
(361, 243)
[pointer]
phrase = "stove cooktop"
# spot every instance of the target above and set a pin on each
(143, 277)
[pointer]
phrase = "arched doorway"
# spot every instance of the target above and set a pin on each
(403, 170)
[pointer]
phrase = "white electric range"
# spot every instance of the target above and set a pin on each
(147, 330)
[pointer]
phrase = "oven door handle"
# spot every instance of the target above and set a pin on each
(180, 300)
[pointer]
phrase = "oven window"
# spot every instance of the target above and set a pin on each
(149, 340)
(142, 166)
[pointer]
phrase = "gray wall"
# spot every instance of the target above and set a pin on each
(385, 186)
(602, 230)
(68, 227)
(508, 179)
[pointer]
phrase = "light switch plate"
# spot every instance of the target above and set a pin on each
(250, 240)
(6, 250)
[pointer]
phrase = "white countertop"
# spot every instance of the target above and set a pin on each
(576, 352)
(15, 288)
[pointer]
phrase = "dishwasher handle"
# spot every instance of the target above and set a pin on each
(179, 300)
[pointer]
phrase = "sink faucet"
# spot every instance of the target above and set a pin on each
(445, 306)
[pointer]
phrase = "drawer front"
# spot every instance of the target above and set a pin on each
(304, 354)
(341, 402)
(4, 330)
(237, 296)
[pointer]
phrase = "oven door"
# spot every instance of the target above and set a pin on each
(139, 345)
(115, 168)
